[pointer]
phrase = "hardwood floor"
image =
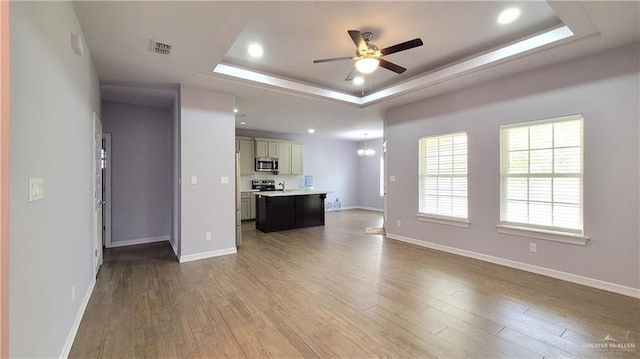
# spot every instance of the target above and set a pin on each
(335, 291)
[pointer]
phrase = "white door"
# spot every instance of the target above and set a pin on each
(97, 192)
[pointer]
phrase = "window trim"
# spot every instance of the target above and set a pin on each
(439, 218)
(556, 234)
(446, 220)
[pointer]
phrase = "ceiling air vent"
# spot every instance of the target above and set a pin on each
(161, 48)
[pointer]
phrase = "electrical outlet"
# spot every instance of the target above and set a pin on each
(207, 236)
(392, 178)
(399, 223)
(194, 180)
(73, 294)
(224, 180)
(533, 247)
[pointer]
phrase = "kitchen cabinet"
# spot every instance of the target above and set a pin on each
(290, 154)
(284, 161)
(252, 206)
(273, 150)
(262, 148)
(296, 158)
(246, 149)
(266, 148)
(279, 212)
(247, 206)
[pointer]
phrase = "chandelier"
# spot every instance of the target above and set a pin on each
(366, 151)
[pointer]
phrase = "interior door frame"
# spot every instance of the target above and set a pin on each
(106, 186)
(4, 179)
(384, 183)
(97, 181)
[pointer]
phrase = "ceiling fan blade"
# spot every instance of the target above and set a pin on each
(391, 66)
(356, 36)
(351, 74)
(332, 59)
(401, 47)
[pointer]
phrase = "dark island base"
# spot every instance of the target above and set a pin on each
(288, 212)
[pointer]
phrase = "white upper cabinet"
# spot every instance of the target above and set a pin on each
(284, 161)
(267, 148)
(246, 149)
(296, 158)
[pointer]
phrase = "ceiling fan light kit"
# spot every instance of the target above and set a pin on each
(367, 65)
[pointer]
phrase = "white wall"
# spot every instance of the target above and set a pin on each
(53, 95)
(369, 176)
(332, 163)
(603, 87)
(140, 171)
(207, 152)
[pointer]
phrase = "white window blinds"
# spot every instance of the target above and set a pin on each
(443, 175)
(541, 174)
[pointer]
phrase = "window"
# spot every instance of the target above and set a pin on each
(541, 175)
(443, 176)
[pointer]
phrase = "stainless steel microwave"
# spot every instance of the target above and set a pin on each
(266, 164)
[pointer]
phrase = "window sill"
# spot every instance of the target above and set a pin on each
(561, 237)
(449, 221)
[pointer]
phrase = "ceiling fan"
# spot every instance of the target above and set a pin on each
(369, 57)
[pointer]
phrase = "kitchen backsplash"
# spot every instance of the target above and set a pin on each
(291, 181)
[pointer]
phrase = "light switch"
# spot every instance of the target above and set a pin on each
(392, 178)
(194, 180)
(224, 180)
(36, 189)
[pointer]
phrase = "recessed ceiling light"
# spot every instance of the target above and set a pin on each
(312, 130)
(243, 123)
(255, 50)
(508, 16)
(358, 80)
(235, 110)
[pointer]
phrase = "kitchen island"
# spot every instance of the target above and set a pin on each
(282, 210)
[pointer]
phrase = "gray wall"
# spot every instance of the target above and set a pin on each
(53, 95)
(140, 171)
(604, 88)
(369, 176)
(207, 152)
(332, 163)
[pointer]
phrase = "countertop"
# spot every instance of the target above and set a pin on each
(249, 190)
(290, 193)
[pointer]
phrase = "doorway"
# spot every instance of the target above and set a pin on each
(97, 193)
(106, 190)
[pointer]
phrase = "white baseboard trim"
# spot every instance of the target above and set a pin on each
(76, 323)
(133, 242)
(358, 207)
(569, 277)
(369, 208)
(175, 249)
(210, 254)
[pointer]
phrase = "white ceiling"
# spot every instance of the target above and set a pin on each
(463, 46)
